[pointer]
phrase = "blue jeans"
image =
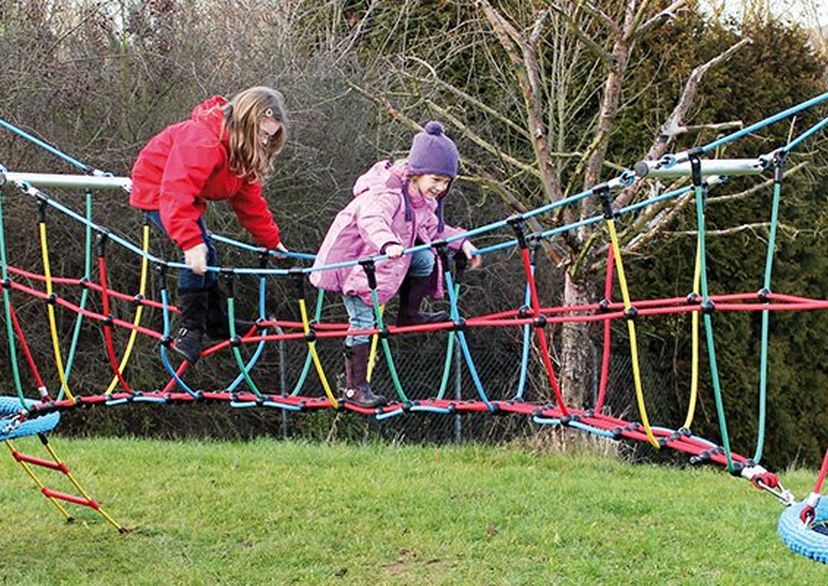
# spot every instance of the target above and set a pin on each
(187, 279)
(361, 314)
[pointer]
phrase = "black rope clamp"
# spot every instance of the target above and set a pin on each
(518, 224)
(264, 258)
(41, 208)
(459, 325)
(229, 276)
(103, 238)
(540, 321)
(369, 266)
(693, 298)
(298, 280)
(460, 262)
(763, 294)
(161, 269)
(708, 307)
(138, 300)
(441, 246)
(6, 283)
(695, 166)
(780, 158)
(166, 341)
(631, 313)
(602, 192)
(604, 305)
(384, 333)
(235, 341)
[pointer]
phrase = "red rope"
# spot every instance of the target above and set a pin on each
(540, 332)
(25, 346)
(605, 351)
(107, 329)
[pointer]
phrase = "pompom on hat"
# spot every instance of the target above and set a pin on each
(433, 153)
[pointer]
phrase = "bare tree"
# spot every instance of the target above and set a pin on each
(565, 65)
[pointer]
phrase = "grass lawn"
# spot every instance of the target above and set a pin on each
(269, 512)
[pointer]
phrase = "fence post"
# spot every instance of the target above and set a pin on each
(458, 393)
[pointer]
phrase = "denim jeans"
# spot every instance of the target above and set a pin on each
(360, 317)
(361, 314)
(187, 279)
(422, 263)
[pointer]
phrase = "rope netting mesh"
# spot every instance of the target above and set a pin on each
(309, 384)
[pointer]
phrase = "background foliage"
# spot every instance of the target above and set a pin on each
(97, 79)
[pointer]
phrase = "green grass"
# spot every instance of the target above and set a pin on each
(269, 512)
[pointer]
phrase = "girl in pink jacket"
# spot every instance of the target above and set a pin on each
(396, 205)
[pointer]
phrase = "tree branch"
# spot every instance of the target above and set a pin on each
(670, 126)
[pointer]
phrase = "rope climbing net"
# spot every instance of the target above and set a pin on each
(36, 411)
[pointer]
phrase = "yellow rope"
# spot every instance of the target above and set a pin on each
(316, 362)
(133, 335)
(372, 357)
(44, 250)
(625, 294)
(694, 376)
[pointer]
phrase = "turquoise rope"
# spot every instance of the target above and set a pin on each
(18, 386)
(260, 346)
(87, 273)
(308, 358)
(461, 338)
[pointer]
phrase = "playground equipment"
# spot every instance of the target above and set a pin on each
(21, 415)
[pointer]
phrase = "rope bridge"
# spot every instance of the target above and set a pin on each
(22, 415)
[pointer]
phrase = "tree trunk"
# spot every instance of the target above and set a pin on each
(576, 345)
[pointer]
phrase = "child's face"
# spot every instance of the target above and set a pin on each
(268, 127)
(431, 186)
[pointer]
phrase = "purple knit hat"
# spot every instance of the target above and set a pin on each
(433, 153)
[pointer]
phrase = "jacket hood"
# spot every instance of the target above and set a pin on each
(209, 112)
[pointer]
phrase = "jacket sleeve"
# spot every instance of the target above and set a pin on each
(374, 217)
(193, 157)
(251, 208)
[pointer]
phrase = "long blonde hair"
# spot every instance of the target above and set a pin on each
(242, 115)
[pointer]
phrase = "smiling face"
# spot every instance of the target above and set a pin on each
(431, 186)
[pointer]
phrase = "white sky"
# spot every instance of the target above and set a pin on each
(804, 11)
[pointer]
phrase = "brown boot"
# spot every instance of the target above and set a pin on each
(412, 293)
(357, 390)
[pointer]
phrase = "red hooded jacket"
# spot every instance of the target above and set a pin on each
(185, 165)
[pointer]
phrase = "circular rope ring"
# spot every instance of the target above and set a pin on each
(10, 408)
(809, 540)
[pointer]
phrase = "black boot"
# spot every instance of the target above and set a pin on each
(412, 293)
(357, 390)
(191, 325)
(218, 325)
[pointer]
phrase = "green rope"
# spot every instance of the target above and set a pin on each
(449, 355)
(85, 295)
(763, 356)
(7, 309)
(708, 328)
(231, 317)
(387, 348)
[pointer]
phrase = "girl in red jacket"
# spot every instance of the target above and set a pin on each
(223, 152)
